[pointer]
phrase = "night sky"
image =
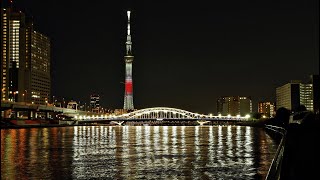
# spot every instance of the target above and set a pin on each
(187, 53)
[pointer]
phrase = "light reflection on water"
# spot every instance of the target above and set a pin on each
(136, 152)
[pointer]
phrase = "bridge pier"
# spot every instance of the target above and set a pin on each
(119, 123)
(47, 114)
(201, 123)
(6, 113)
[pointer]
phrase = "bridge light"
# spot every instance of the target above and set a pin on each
(76, 117)
(210, 114)
(229, 115)
(247, 116)
(238, 116)
(264, 116)
(219, 115)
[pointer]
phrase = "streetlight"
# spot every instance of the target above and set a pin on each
(14, 96)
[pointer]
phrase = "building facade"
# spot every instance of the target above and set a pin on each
(38, 67)
(266, 108)
(314, 80)
(95, 103)
(294, 94)
(25, 60)
(234, 105)
(13, 60)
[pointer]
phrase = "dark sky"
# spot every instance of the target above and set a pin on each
(187, 53)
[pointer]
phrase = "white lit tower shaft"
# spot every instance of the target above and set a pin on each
(128, 96)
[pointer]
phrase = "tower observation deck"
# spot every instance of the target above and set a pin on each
(128, 58)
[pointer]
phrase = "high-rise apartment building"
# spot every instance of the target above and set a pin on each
(38, 66)
(25, 60)
(294, 94)
(12, 54)
(266, 108)
(234, 105)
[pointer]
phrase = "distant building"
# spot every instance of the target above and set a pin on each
(266, 108)
(234, 105)
(120, 111)
(72, 105)
(306, 95)
(25, 60)
(294, 94)
(314, 80)
(95, 103)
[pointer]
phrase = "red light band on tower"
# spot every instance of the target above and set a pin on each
(128, 87)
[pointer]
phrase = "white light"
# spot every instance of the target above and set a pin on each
(128, 13)
(238, 116)
(247, 116)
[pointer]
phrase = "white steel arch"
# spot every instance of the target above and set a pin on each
(171, 113)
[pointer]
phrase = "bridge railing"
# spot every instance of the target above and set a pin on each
(275, 167)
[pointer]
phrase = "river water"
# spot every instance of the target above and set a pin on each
(136, 152)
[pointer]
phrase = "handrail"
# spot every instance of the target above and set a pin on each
(275, 167)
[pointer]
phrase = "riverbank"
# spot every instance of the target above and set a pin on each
(34, 126)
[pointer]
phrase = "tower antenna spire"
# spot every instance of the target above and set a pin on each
(128, 43)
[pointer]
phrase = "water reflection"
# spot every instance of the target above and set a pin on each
(136, 152)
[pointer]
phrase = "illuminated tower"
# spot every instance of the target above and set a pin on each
(128, 95)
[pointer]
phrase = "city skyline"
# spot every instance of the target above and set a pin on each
(186, 55)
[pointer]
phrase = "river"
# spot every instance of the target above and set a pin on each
(136, 152)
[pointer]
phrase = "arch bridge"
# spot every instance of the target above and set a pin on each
(160, 113)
